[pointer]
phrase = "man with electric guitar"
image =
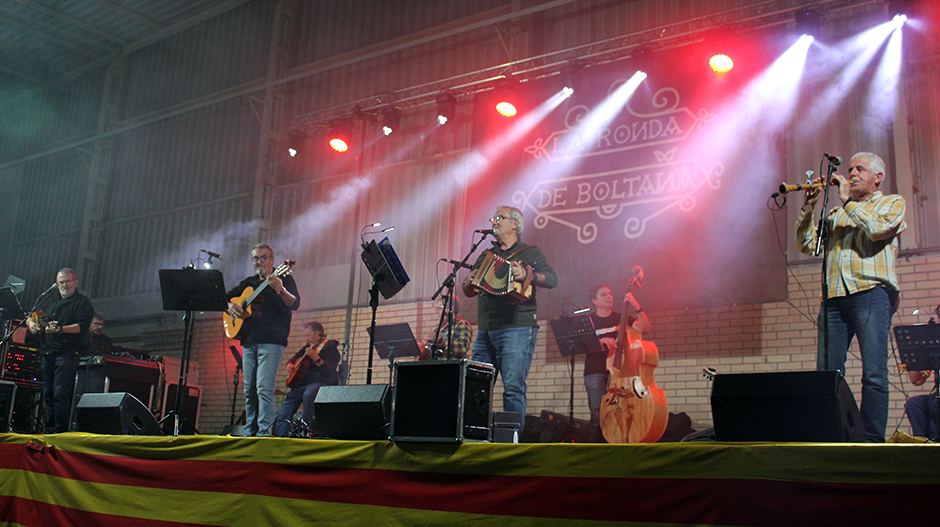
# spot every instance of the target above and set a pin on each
(507, 324)
(260, 314)
(62, 339)
(313, 366)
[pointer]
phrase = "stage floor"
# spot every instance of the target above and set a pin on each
(86, 479)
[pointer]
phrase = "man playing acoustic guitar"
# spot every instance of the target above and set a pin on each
(263, 336)
(313, 366)
(62, 341)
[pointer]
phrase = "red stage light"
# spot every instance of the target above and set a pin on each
(721, 63)
(338, 144)
(506, 108)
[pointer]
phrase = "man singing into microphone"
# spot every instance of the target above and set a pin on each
(263, 337)
(507, 332)
(862, 284)
(62, 341)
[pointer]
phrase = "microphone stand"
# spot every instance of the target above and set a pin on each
(448, 305)
(822, 237)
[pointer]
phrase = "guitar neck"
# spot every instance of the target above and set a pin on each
(254, 295)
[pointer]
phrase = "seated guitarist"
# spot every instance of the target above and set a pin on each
(315, 366)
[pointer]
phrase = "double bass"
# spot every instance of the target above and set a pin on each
(634, 409)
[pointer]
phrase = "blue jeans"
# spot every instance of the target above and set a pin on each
(510, 351)
(58, 380)
(260, 363)
(305, 395)
(921, 411)
(866, 316)
(595, 384)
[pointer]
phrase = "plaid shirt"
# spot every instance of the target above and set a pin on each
(863, 243)
(463, 334)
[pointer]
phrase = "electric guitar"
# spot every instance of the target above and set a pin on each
(233, 325)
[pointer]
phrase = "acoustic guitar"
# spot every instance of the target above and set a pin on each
(299, 372)
(634, 409)
(233, 325)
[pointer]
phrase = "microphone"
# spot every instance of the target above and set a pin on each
(217, 256)
(47, 291)
(835, 160)
(455, 262)
(484, 232)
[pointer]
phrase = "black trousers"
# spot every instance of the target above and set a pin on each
(58, 381)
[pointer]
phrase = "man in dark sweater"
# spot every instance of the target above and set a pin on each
(607, 326)
(263, 336)
(316, 362)
(507, 332)
(62, 318)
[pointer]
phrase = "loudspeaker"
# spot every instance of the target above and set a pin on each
(189, 424)
(353, 412)
(115, 413)
(443, 401)
(804, 406)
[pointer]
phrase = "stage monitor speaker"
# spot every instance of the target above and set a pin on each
(443, 401)
(353, 412)
(117, 413)
(801, 406)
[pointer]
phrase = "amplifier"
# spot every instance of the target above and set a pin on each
(109, 374)
(22, 363)
(442, 401)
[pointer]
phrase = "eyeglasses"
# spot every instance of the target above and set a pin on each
(63, 282)
(498, 218)
(263, 258)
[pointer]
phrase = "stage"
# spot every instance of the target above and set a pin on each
(87, 479)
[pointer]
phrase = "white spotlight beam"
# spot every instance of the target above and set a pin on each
(585, 135)
(860, 50)
(883, 96)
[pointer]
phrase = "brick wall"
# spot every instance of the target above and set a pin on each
(777, 336)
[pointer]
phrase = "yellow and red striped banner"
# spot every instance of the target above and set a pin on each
(86, 479)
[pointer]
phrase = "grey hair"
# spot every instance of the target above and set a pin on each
(516, 215)
(264, 246)
(875, 163)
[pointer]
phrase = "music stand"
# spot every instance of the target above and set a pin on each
(919, 347)
(388, 276)
(575, 335)
(394, 341)
(189, 290)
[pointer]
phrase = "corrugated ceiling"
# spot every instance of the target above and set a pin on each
(46, 41)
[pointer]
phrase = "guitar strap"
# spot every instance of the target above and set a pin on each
(517, 251)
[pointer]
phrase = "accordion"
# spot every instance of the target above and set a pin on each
(494, 278)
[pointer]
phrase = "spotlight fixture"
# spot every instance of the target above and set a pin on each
(642, 57)
(900, 10)
(809, 22)
(391, 118)
(721, 63)
(295, 142)
(571, 77)
(446, 105)
(340, 137)
(506, 97)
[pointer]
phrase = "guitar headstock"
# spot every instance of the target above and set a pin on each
(285, 268)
